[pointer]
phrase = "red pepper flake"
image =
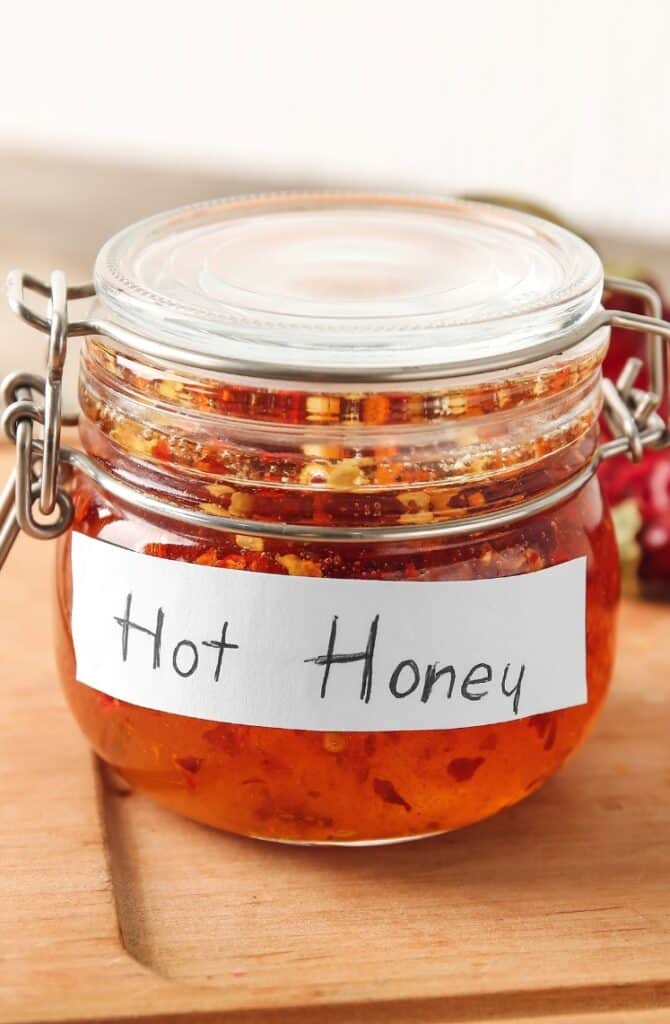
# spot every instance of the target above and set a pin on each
(82, 506)
(263, 562)
(370, 744)
(546, 727)
(376, 409)
(108, 703)
(192, 765)
(174, 552)
(387, 791)
(208, 557)
(551, 735)
(161, 450)
(540, 723)
(271, 763)
(463, 768)
(224, 738)
(234, 562)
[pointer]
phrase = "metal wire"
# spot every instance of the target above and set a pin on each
(147, 502)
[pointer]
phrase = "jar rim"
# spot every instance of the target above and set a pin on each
(343, 285)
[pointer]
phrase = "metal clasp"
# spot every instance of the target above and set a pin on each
(33, 417)
(631, 412)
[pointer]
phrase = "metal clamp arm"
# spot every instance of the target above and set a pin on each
(631, 412)
(32, 419)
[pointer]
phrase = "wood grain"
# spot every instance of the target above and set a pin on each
(115, 910)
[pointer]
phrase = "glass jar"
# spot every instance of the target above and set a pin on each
(339, 569)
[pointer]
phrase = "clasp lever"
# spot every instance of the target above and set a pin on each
(33, 417)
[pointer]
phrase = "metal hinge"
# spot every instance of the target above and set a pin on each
(33, 418)
(631, 412)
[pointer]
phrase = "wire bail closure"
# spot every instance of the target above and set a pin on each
(33, 418)
(33, 408)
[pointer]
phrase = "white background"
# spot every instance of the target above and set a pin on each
(566, 102)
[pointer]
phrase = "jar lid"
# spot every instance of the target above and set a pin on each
(349, 286)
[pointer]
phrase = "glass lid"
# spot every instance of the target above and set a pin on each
(351, 286)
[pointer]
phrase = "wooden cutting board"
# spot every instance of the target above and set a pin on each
(116, 910)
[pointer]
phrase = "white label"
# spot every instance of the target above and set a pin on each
(307, 653)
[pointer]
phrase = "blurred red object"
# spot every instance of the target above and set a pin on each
(638, 493)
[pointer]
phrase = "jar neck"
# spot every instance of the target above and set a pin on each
(328, 455)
